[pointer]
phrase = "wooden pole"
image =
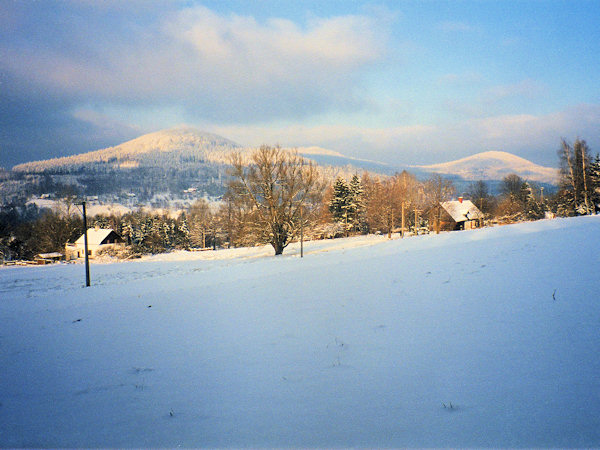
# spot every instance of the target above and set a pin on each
(85, 247)
(301, 234)
(416, 221)
(402, 230)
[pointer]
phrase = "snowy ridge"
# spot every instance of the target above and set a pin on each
(317, 151)
(473, 339)
(184, 142)
(494, 165)
(182, 146)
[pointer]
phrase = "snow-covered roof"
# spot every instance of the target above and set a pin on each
(95, 236)
(461, 211)
(50, 255)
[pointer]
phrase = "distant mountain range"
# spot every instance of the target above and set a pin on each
(184, 159)
(494, 165)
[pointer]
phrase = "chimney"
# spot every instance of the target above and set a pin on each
(460, 199)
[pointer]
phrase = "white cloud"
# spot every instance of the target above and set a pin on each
(105, 125)
(477, 101)
(525, 88)
(529, 136)
(225, 67)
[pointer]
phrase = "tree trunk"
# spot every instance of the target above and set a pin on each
(585, 189)
(567, 156)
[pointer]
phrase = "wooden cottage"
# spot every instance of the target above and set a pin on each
(460, 215)
(48, 258)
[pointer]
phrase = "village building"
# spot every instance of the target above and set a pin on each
(460, 215)
(48, 258)
(98, 239)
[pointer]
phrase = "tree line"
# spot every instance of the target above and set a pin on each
(276, 196)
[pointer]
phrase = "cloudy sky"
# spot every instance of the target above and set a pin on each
(396, 81)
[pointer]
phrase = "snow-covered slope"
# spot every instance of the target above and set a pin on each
(484, 338)
(318, 151)
(185, 150)
(183, 142)
(494, 165)
(345, 165)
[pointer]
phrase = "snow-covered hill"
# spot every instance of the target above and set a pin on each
(494, 165)
(186, 148)
(177, 144)
(483, 338)
(169, 163)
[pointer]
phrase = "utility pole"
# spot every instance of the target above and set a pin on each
(402, 230)
(416, 221)
(542, 194)
(301, 234)
(85, 247)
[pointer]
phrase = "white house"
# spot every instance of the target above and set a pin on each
(98, 239)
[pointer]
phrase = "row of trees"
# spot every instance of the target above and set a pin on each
(26, 231)
(276, 196)
(372, 204)
(271, 192)
(579, 180)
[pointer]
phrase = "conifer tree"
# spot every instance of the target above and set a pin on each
(532, 209)
(340, 202)
(356, 204)
(595, 183)
(183, 235)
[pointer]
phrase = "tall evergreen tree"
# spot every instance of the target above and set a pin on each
(595, 183)
(356, 204)
(183, 233)
(340, 202)
(531, 207)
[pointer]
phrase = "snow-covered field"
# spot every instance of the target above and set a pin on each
(484, 338)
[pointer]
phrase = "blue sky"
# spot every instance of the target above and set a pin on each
(404, 82)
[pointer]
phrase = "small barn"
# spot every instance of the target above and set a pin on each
(48, 258)
(460, 215)
(98, 239)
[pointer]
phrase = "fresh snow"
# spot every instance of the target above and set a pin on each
(364, 342)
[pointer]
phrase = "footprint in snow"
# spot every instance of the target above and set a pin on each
(138, 370)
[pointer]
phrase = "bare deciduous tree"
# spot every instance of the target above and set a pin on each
(438, 190)
(479, 193)
(575, 187)
(201, 223)
(386, 200)
(274, 186)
